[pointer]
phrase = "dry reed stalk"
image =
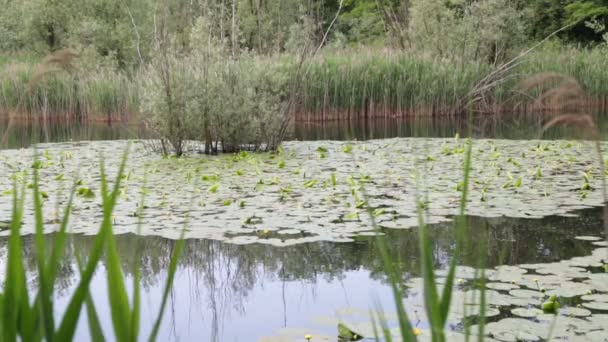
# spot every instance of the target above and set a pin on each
(55, 62)
(574, 94)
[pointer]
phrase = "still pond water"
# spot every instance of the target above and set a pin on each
(250, 292)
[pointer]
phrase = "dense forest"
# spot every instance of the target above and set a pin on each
(124, 31)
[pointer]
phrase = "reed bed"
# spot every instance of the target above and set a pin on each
(339, 85)
(94, 95)
(388, 84)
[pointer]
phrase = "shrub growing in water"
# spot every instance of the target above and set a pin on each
(229, 103)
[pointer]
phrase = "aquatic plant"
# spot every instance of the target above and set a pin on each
(31, 316)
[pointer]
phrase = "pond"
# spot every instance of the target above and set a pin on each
(228, 292)
(281, 246)
(486, 126)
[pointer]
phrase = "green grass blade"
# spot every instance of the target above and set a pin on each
(135, 313)
(446, 297)
(45, 294)
(431, 297)
(404, 323)
(119, 302)
(15, 290)
(96, 333)
(68, 325)
(59, 243)
(177, 251)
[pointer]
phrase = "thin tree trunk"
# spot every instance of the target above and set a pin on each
(234, 31)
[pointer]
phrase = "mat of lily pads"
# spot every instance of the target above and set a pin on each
(309, 191)
(514, 298)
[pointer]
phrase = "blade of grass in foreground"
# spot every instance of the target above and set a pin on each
(15, 291)
(135, 313)
(68, 325)
(119, 302)
(404, 323)
(460, 230)
(45, 293)
(95, 331)
(177, 251)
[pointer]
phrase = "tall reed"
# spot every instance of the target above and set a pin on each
(83, 95)
(386, 84)
(346, 85)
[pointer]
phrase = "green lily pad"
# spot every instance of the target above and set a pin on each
(346, 334)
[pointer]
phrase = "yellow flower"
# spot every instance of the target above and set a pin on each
(416, 331)
(536, 280)
(460, 281)
(266, 231)
(308, 337)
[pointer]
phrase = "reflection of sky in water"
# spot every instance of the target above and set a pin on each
(236, 293)
(195, 313)
(226, 298)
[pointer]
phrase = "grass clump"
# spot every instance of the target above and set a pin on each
(30, 316)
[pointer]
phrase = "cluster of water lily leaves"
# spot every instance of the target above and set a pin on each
(307, 191)
(513, 305)
(322, 191)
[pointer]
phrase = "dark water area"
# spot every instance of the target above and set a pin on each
(505, 126)
(225, 292)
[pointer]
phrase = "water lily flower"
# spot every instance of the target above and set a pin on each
(416, 331)
(308, 337)
(266, 232)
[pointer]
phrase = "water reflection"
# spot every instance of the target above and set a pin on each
(26, 133)
(242, 292)
(503, 126)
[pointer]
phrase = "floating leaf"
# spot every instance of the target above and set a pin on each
(85, 192)
(346, 334)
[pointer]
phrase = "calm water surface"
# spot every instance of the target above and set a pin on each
(503, 127)
(228, 292)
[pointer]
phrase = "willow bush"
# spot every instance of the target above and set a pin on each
(210, 94)
(230, 104)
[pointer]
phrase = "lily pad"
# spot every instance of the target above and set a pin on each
(603, 306)
(526, 293)
(572, 311)
(501, 286)
(596, 297)
(526, 312)
(588, 238)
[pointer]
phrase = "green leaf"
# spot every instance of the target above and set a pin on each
(177, 251)
(347, 334)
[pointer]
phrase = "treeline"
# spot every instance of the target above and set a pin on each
(123, 31)
(235, 73)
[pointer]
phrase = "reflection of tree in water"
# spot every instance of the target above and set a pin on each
(222, 275)
(483, 126)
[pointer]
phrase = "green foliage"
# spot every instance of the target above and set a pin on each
(26, 316)
(231, 104)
